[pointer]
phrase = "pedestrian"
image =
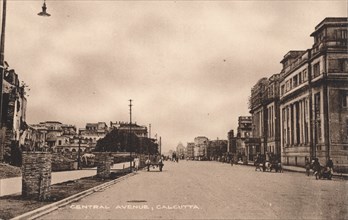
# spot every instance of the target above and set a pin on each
(316, 167)
(148, 163)
(136, 164)
(307, 165)
(330, 165)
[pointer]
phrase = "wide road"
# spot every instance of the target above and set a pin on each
(212, 190)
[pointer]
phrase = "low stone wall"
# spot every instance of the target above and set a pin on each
(104, 161)
(36, 175)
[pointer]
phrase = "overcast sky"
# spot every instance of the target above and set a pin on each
(188, 65)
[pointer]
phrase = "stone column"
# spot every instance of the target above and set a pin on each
(36, 175)
(104, 161)
(295, 123)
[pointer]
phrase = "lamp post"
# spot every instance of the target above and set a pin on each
(79, 154)
(2, 56)
(43, 12)
(130, 135)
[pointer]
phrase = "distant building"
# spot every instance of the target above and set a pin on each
(216, 148)
(264, 107)
(190, 150)
(93, 132)
(140, 131)
(201, 147)
(181, 151)
(232, 142)
(54, 132)
(244, 132)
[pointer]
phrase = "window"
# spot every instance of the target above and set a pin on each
(316, 69)
(282, 89)
(343, 65)
(287, 86)
(341, 34)
(300, 78)
(305, 75)
(294, 80)
(345, 100)
(338, 65)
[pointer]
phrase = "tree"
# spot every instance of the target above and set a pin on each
(122, 141)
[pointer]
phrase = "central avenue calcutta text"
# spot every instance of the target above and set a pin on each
(134, 207)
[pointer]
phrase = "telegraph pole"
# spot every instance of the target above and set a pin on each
(2, 57)
(150, 131)
(130, 134)
(79, 153)
(160, 146)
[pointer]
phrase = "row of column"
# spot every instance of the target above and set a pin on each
(295, 123)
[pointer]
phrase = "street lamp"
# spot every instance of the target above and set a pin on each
(2, 51)
(130, 135)
(43, 12)
(78, 153)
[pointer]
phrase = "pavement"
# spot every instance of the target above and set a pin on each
(303, 170)
(212, 190)
(14, 185)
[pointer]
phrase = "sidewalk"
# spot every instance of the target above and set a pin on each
(303, 170)
(14, 185)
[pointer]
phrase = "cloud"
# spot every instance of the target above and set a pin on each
(187, 65)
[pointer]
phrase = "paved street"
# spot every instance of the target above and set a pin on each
(212, 190)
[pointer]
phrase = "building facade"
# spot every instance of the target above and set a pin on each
(264, 107)
(190, 150)
(181, 151)
(244, 132)
(14, 104)
(232, 144)
(201, 147)
(140, 131)
(313, 98)
(216, 148)
(302, 112)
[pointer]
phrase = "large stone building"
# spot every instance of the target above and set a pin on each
(313, 97)
(264, 107)
(304, 109)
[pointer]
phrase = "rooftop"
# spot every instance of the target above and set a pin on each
(330, 21)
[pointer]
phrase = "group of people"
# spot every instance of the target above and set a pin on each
(316, 166)
(136, 161)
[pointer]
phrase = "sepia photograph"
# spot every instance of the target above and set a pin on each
(186, 109)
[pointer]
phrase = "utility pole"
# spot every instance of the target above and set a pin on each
(2, 57)
(160, 146)
(79, 154)
(150, 131)
(130, 134)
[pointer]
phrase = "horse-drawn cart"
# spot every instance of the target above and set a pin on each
(151, 164)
